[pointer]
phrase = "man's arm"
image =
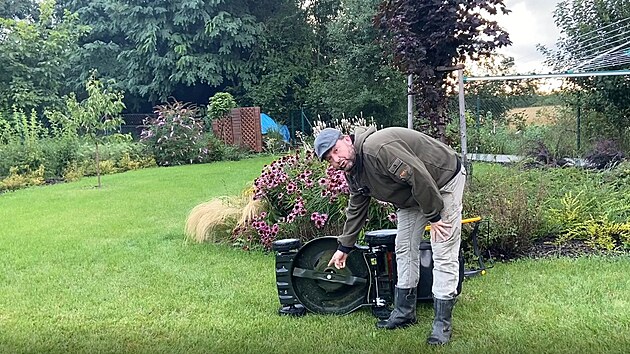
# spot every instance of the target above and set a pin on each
(356, 214)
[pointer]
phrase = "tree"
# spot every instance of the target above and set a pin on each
(98, 115)
(34, 56)
(164, 47)
(591, 28)
(220, 105)
(286, 48)
(425, 35)
(18, 9)
(358, 81)
(323, 55)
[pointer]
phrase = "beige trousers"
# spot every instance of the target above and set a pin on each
(410, 229)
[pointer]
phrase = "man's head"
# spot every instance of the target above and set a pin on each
(336, 148)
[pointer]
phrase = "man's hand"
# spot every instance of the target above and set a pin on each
(440, 231)
(338, 259)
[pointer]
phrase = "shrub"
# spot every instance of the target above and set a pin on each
(218, 150)
(22, 177)
(492, 135)
(618, 177)
(273, 142)
(541, 154)
(127, 162)
(553, 205)
(119, 159)
(601, 234)
(20, 141)
(604, 154)
(488, 136)
(558, 135)
(107, 167)
(513, 202)
(54, 154)
(176, 135)
(59, 153)
(73, 172)
(574, 209)
(220, 105)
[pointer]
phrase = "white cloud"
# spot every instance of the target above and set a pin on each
(530, 23)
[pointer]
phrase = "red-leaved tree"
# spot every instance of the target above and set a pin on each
(426, 34)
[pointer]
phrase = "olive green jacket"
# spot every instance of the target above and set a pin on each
(397, 165)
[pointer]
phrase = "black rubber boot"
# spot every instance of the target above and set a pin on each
(404, 313)
(382, 312)
(441, 332)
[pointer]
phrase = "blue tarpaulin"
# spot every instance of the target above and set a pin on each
(267, 123)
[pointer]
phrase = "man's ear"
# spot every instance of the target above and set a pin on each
(347, 139)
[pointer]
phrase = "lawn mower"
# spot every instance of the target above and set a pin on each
(305, 282)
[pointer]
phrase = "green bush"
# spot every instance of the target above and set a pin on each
(574, 209)
(619, 176)
(511, 136)
(58, 154)
(560, 205)
(273, 142)
(73, 172)
(113, 150)
(176, 136)
(21, 177)
(20, 143)
(218, 150)
(512, 202)
(126, 162)
(54, 154)
(220, 105)
(489, 136)
(115, 157)
(600, 234)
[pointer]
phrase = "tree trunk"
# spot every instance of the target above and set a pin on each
(98, 166)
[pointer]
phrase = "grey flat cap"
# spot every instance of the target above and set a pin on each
(326, 139)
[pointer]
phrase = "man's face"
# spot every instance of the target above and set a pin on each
(342, 155)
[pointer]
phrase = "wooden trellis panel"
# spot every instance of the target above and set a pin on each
(241, 128)
(222, 129)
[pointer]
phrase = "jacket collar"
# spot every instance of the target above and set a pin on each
(360, 134)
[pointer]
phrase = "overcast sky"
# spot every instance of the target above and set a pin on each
(529, 23)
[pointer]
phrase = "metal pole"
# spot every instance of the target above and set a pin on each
(292, 115)
(579, 113)
(462, 117)
(478, 124)
(462, 111)
(410, 101)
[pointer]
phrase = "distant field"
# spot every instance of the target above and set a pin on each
(537, 115)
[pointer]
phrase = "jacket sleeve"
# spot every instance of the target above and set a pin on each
(404, 167)
(356, 214)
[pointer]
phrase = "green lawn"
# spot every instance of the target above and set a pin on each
(85, 270)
